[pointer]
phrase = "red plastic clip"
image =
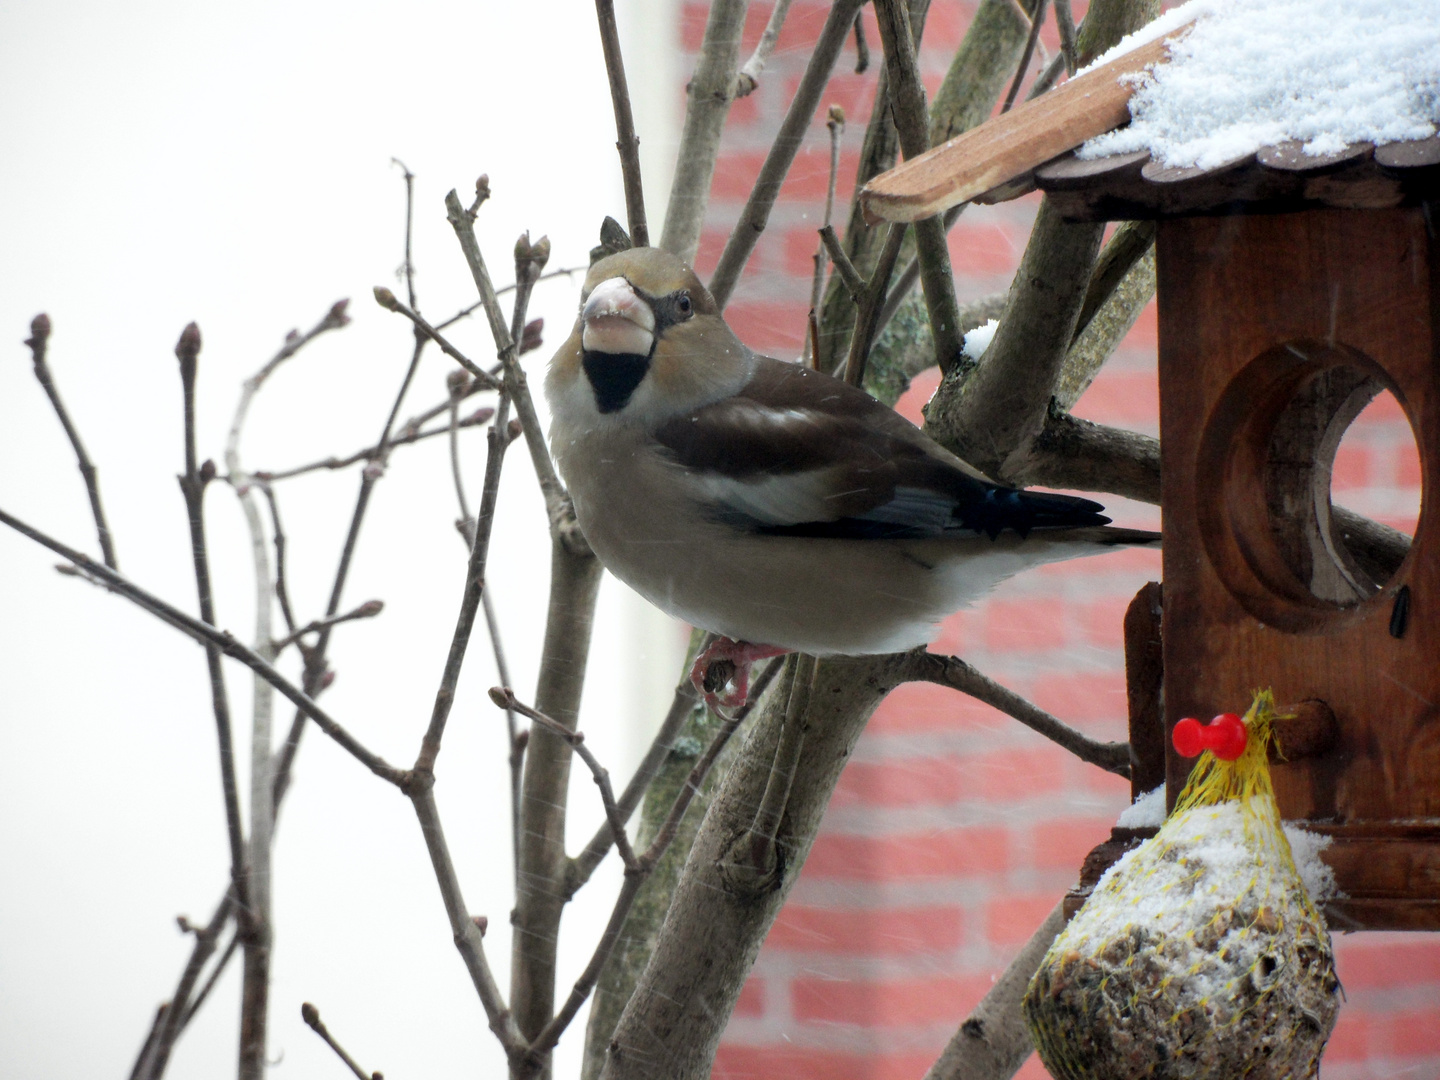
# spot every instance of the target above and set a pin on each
(1225, 736)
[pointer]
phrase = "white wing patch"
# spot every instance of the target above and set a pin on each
(788, 499)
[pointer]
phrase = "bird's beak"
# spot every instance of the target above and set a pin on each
(617, 320)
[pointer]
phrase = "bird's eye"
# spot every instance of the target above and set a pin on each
(683, 305)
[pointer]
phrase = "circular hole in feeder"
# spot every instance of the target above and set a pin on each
(1301, 427)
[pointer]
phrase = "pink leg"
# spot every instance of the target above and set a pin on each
(732, 660)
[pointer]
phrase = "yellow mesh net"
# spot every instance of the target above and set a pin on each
(1200, 953)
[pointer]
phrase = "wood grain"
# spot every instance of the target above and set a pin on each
(1012, 144)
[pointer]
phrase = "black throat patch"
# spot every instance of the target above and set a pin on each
(614, 377)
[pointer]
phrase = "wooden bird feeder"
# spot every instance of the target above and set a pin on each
(1292, 289)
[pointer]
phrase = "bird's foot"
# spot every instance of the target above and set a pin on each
(726, 663)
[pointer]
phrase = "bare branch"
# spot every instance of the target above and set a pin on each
(835, 124)
(583, 865)
(367, 610)
(759, 846)
(1065, 23)
(192, 487)
(993, 1041)
(710, 91)
(756, 212)
(370, 453)
(311, 1015)
(169, 1021)
(907, 96)
(1036, 21)
(557, 500)
(221, 640)
(504, 698)
(868, 311)
(564, 271)
(388, 300)
(637, 870)
(857, 285)
(749, 76)
(627, 142)
(38, 341)
(862, 49)
(467, 934)
(955, 673)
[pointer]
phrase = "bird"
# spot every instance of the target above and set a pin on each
(772, 504)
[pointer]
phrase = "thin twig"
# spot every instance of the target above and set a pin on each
(557, 499)
(756, 212)
(1035, 24)
(370, 453)
(749, 76)
(1065, 23)
(907, 100)
(367, 610)
(627, 142)
(866, 313)
(388, 300)
(156, 1052)
(583, 865)
(466, 933)
(282, 587)
(38, 340)
(564, 271)
(857, 286)
(311, 1015)
(709, 94)
(212, 979)
(192, 487)
(221, 640)
(766, 827)
(835, 124)
(862, 48)
(505, 698)
(1047, 78)
(550, 1034)
(906, 281)
(955, 673)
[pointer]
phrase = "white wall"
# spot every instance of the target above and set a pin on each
(164, 161)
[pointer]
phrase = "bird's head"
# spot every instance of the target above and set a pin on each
(649, 343)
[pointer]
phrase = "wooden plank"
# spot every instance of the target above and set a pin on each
(1011, 144)
(1290, 156)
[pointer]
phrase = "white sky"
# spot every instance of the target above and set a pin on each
(164, 161)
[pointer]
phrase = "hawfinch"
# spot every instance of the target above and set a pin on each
(767, 502)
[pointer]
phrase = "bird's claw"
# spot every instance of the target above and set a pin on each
(726, 663)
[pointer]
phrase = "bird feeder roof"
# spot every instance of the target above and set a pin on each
(1034, 146)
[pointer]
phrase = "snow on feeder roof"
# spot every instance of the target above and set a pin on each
(1217, 106)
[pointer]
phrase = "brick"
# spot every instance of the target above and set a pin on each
(1377, 961)
(942, 853)
(945, 25)
(953, 635)
(1063, 843)
(886, 1003)
(884, 932)
(922, 389)
(1350, 1041)
(927, 707)
(707, 254)
(1015, 775)
(801, 244)
(986, 248)
(807, 1063)
(918, 781)
(1030, 625)
(745, 112)
(692, 27)
(1011, 920)
(1102, 622)
(1407, 466)
(853, 93)
(1408, 1033)
(1091, 700)
(1353, 466)
(770, 327)
(735, 172)
(1123, 398)
(752, 998)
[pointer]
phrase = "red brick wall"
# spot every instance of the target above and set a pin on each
(955, 830)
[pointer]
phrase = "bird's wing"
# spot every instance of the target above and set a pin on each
(800, 453)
